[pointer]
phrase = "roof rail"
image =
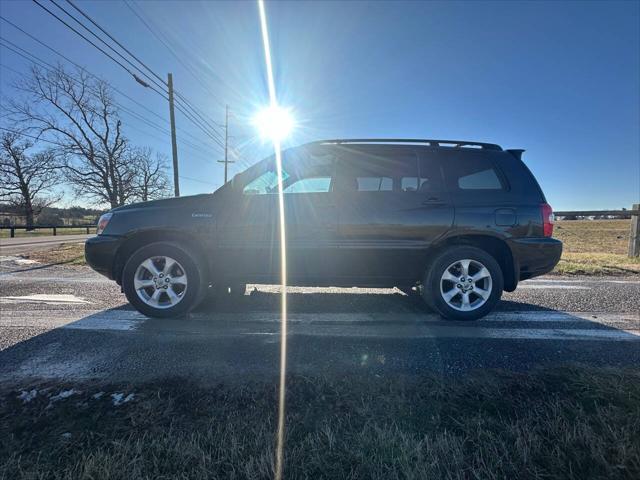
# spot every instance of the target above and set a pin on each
(430, 142)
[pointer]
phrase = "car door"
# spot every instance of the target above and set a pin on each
(248, 228)
(310, 215)
(250, 234)
(392, 206)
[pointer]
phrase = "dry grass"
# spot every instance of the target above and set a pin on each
(595, 247)
(69, 254)
(569, 423)
(593, 236)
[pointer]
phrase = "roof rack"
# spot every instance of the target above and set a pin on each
(430, 142)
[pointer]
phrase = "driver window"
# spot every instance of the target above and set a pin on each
(302, 172)
(265, 184)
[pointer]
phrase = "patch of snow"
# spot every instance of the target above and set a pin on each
(47, 299)
(16, 260)
(63, 394)
(98, 395)
(119, 398)
(27, 396)
(66, 435)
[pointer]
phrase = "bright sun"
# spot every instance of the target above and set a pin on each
(274, 123)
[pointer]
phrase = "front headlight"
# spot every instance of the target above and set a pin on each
(103, 222)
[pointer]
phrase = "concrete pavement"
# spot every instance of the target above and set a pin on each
(68, 322)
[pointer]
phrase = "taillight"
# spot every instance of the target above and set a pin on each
(103, 222)
(547, 219)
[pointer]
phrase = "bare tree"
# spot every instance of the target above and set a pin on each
(26, 179)
(151, 180)
(77, 111)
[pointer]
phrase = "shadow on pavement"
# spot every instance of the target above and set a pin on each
(331, 332)
(338, 301)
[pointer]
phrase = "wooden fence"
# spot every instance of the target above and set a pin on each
(55, 228)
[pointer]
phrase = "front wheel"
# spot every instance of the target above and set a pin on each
(162, 280)
(463, 283)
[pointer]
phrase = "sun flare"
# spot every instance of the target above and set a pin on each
(274, 123)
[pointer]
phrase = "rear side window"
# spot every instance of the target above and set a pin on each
(379, 183)
(472, 172)
(386, 171)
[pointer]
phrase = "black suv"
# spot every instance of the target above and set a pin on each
(454, 221)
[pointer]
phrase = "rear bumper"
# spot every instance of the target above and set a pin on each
(100, 253)
(536, 256)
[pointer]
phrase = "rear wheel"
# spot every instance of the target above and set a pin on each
(162, 280)
(463, 283)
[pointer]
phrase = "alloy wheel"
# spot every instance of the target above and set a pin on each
(466, 285)
(160, 282)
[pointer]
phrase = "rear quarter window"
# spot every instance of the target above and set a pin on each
(483, 180)
(472, 172)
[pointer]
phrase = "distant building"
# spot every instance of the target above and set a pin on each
(8, 218)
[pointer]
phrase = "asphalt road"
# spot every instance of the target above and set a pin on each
(20, 245)
(68, 322)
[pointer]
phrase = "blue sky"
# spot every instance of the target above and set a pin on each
(561, 80)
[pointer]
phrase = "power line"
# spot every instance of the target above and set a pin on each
(198, 124)
(44, 63)
(135, 77)
(196, 180)
(186, 103)
(161, 40)
(32, 136)
(57, 52)
(110, 47)
(117, 42)
(200, 115)
(189, 68)
(188, 145)
(60, 145)
(122, 107)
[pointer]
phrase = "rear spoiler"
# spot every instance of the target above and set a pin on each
(516, 152)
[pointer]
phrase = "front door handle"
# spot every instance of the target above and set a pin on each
(433, 201)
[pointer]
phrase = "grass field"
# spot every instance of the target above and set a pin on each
(566, 423)
(69, 254)
(45, 231)
(595, 247)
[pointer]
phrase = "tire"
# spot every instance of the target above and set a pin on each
(178, 295)
(447, 295)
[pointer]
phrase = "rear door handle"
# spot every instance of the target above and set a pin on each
(433, 201)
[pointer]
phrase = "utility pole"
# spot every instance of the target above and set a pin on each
(226, 160)
(174, 146)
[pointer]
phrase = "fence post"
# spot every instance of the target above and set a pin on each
(13, 232)
(54, 231)
(87, 230)
(634, 234)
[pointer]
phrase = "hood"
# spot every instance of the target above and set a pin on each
(195, 200)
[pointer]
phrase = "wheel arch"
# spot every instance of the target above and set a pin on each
(497, 247)
(139, 239)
